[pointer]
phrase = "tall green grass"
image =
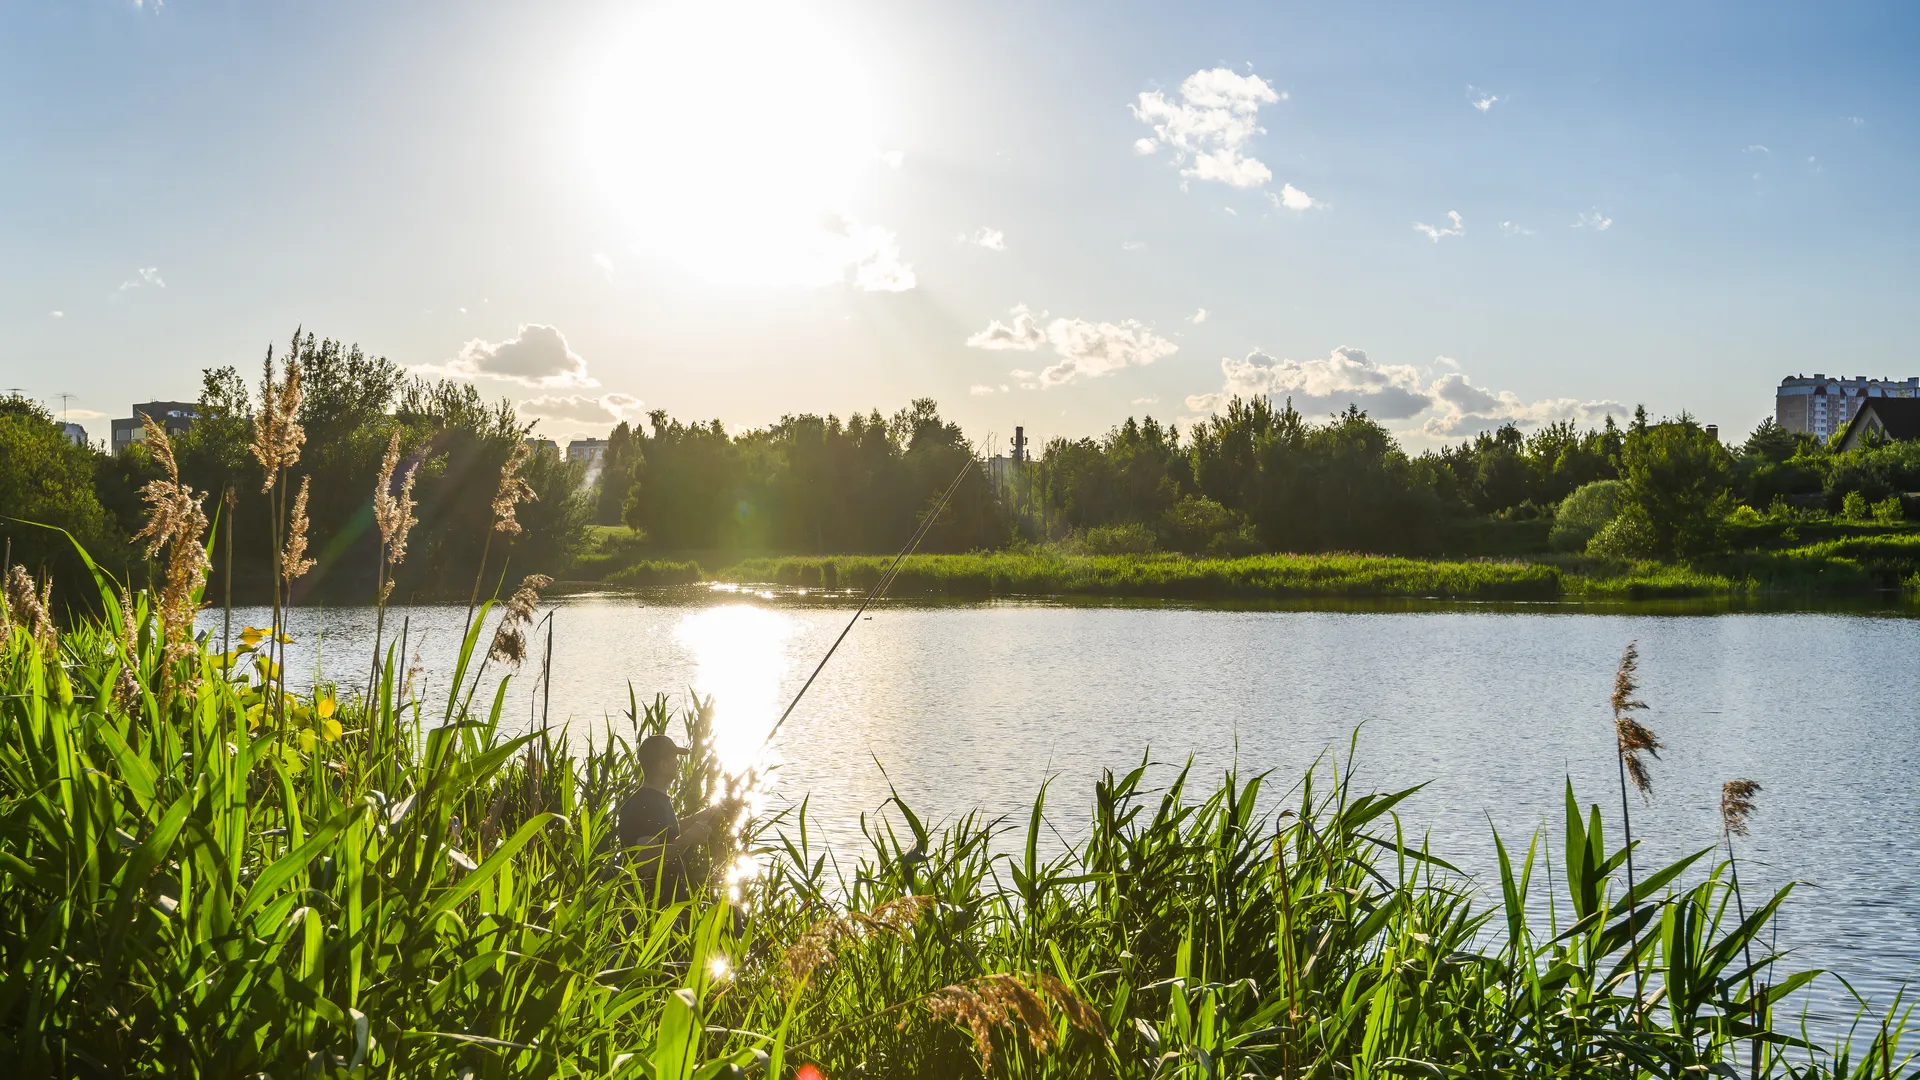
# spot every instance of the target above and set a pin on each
(395, 887)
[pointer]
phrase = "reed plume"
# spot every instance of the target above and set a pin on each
(513, 491)
(816, 948)
(510, 637)
(175, 521)
(277, 434)
(126, 686)
(1023, 1004)
(31, 609)
(1633, 737)
(1736, 805)
(393, 512)
(294, 561)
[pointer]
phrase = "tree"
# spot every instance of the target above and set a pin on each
(1676, 486)
(47, 479)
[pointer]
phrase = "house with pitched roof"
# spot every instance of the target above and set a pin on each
(1896, 419)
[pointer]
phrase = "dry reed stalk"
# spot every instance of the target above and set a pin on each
(175, 521)
(1021, 1003)
(126, 688)
(510, 638)
(393, 513)
(32, 610)
(277, 434)
(815, 949)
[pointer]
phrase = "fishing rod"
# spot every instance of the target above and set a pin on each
(879, 587)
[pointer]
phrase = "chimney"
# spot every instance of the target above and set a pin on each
(1019, 444)
(1713, 432)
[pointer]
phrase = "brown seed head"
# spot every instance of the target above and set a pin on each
(175, 521)
(1624, 683)
(277, 434)
(1736, 805)
(31, 608)
(816, 948)
(1631, 737)
(1022, 1003)
(509, 639)
(126, 688)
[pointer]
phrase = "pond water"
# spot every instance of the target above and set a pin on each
(973, 707)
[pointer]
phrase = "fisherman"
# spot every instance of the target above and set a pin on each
(647, 819)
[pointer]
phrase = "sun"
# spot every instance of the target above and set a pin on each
(732, 137)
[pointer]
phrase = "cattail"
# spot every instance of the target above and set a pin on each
(294, 562)
(1633, 738)
(1736, 805)
(514, 490)
(32, 610)
(176, 522)
(1021, 1005)
(509, 639)
(816, 947)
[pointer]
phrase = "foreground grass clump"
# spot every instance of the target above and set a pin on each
(204, 873)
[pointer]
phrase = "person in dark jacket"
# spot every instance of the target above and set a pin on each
(647, 819)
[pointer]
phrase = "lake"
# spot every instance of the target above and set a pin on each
(1494, 709)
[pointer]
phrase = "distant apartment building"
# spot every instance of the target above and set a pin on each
(75, 433)
(174, 416)
(543, 446)
(590, 451)
(1821, 406)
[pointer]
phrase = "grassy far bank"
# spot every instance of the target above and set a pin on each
(1846, 562)
(203, 873)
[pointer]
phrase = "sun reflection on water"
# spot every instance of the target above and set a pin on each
(740, 654)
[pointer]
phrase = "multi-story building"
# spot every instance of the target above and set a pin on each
(590, 451)
(174, 416)
(74, 432)
(1821, 406)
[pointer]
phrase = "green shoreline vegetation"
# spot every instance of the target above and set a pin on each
(208, 871)
(1256, 501)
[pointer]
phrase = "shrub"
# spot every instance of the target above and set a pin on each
(1197, 524)
(1889, 511)
(1129, 539)
(1624, 537)
(1583, 513)
(1854, 507)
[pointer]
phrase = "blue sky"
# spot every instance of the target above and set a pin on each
(740, 210)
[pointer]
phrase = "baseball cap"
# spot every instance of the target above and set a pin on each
(654, 747)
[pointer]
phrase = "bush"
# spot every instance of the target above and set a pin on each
(1129, 539)
(1854, 507)
(1625, 537)
(1199, 525)
(1889, 511)
(1582, 514)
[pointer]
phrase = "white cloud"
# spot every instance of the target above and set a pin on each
(1198, 317)
(149, 275)
(1514, 228)
(985, 236)
(56, 314)
(536, 356)
(1133, 245)
(879, 268)
(1146, 401)
(1756, 148)
(1294, 199)
(1855, 120)
(1450, 405)
(982, 390)
(1434, 233)
(1481, 99)
(1023, 335)
(603, 412)
(605, 263)
(1086, 350)
(1594, 220)
(1208, 128)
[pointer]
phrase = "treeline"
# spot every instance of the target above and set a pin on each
(350, 405)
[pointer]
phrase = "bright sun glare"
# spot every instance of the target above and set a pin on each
(731, 136)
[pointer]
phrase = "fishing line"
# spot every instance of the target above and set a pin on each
(879, 587)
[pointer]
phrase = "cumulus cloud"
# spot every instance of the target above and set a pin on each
(1294, 199)
(148, 275)
(1436, 232)
(536, 356)
(1198, 317)
(1087, 350)
(983, 390)
(985, 236)
(605, 263)
(1447, 405)
(1208, 127)
(601, 412)
(1594, 220)
(879, 267)
(1481, 99)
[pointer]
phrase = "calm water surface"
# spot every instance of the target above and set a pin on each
(972, 707)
